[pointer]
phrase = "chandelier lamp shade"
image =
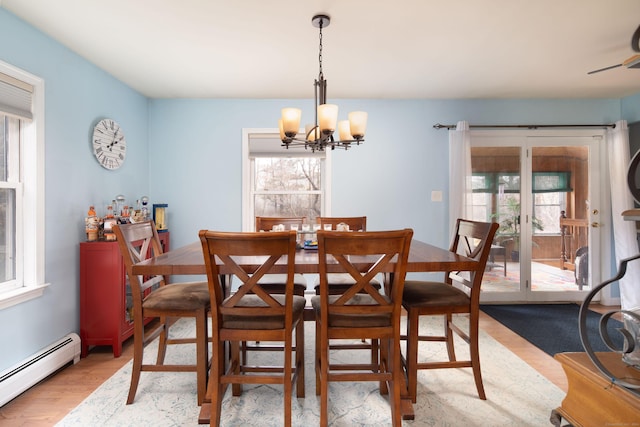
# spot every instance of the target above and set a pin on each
(319, 135)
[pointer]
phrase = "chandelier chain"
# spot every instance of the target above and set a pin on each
(320, 49)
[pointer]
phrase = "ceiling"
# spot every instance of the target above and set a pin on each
(464, 49)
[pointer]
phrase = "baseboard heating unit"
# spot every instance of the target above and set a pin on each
(30, 371)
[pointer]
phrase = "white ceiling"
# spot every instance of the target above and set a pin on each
(372, 48)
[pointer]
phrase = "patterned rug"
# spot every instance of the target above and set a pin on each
(517, 395)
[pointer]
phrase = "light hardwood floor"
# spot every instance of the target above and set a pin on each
(49, 401)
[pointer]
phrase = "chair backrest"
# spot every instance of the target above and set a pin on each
(137, 243)
(355, 223)
(266, 223)
(473, 240)
(224, 251)
(363, 256)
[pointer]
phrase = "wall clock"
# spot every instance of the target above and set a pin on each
(109, 144)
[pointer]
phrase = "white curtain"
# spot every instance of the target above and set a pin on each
(624, 232)
(459, 173)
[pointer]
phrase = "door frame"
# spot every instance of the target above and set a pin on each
(599, 180)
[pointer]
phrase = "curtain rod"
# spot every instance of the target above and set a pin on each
(439, 126)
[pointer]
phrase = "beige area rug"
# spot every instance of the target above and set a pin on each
(517, 395)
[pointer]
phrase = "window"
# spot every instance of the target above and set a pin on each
(279, 181)
(549, 198)
(21, 186)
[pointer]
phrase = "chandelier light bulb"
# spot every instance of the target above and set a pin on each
(344, 130)
(327, 118)
(312, 132)
(291, 121)
(358, 124)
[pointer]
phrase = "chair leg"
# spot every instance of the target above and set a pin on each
(383, 364)
(412, 353)
(375, 352)
(300, 359)
(448, 333)
(202, 354)
(216, 389)
(395, 396)
(235, 366)
(323, 360)
(475, 357)
(287, 380)
(138, 348)
(318, 361)
(162, 342)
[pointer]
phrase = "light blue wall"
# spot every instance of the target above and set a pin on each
(77, 95)
(187, 153)
(390, 177)
(631, 109)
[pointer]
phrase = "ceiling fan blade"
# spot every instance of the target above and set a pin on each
(635, 40)
(605, 69)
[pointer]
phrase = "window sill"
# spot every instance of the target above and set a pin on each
(17, 296)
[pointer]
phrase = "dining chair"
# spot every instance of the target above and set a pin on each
(361, 311)
(355, 223)
(459, 293)
(339, 282)
(155, 297)
(253, 314)
(275, 283)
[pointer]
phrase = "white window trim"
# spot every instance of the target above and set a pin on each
(34, 190)
(247, 219)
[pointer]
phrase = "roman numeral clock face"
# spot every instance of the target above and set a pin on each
(109, 144)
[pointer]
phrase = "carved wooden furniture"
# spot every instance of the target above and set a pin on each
(339, 282)
(275, 283)
(252, 314)
(355, 223)
(592, 399)
(361, 311)
(187, 260)
(153, 297)
(458, 294)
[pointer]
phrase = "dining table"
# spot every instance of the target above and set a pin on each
(189, 260)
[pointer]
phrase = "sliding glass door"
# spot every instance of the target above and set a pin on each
(543, 191)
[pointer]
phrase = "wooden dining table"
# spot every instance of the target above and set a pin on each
(189, 260)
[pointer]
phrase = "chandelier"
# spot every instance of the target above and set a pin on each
(319, 135)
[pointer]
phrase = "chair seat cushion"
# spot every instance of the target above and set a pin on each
(256, 321)
(275, 283)
(187, 296)
(419, 293)
(353, 320)
(339, 283)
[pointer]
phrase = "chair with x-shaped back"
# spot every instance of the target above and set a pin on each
(252, 314)
(361, 311)
(458, 294)
(154, 297)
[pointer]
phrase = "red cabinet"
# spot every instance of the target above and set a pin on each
(105, 295)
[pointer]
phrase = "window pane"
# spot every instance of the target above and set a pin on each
(287, 205)
(7, 234)
(287, 174)
(547, 207)
(4, 146)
